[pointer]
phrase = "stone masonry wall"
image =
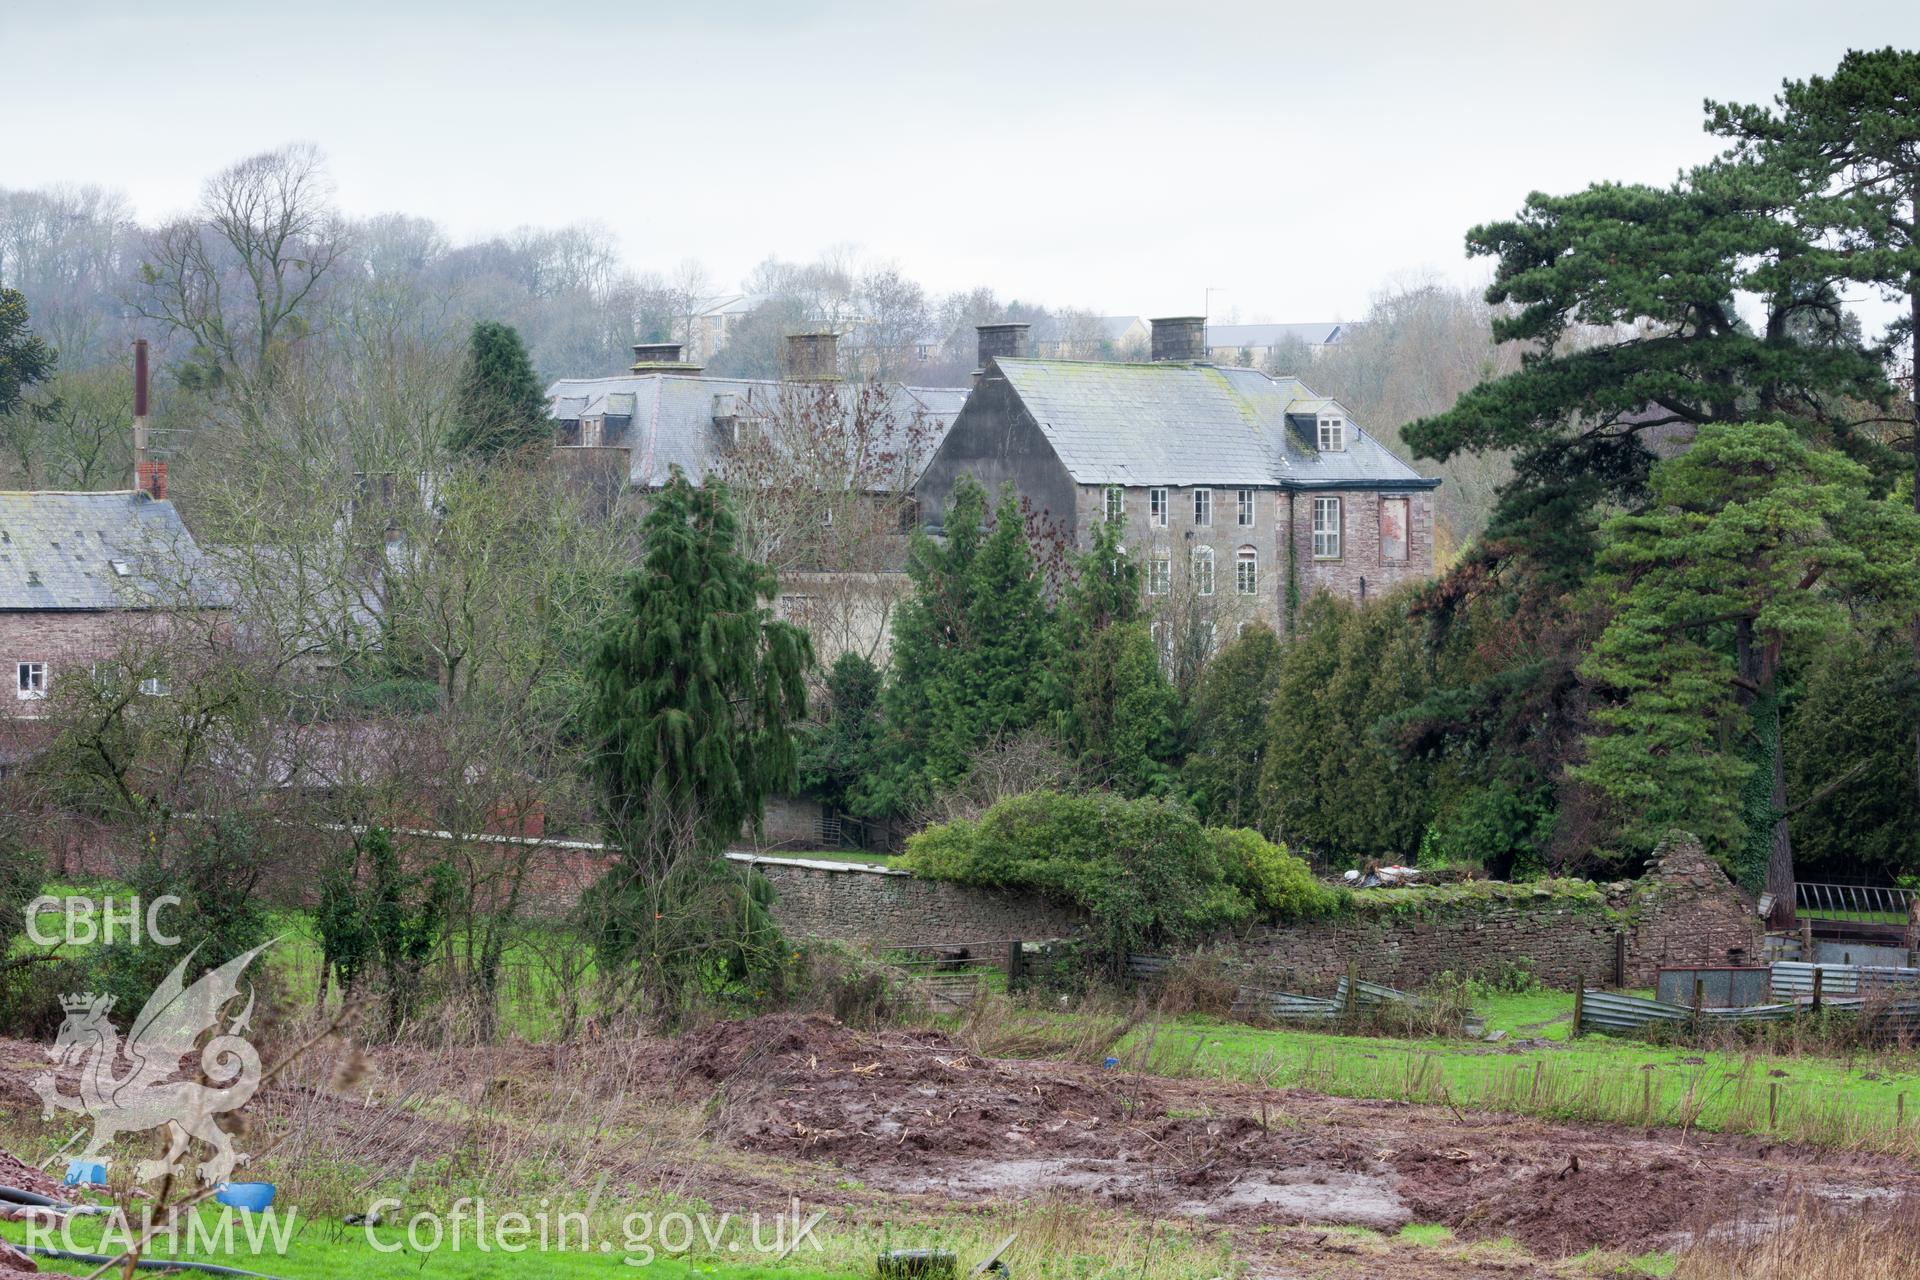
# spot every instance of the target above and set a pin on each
(1684, 911)
(892, 908)
(1408, 937)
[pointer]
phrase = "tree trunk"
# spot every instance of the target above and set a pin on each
(1913, 394)
(1758, 662)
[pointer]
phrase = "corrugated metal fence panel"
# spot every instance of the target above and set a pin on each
(1141, 967)
(1626, 1013)
(1369, 993)
(1623, 1013)
(1285, 1005)
(1795, 978)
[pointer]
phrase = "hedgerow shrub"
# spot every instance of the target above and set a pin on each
(1145, 871)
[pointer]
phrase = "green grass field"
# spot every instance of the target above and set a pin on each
(1868, 1101)
(315, 1251)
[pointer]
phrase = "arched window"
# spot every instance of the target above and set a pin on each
(1246, 571)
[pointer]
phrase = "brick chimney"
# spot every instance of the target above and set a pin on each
(661, 357)
(150, 478)
(1180, 338)
(813, 357)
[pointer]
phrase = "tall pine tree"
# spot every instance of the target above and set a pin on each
(1116, 709)
(695, 691)
(499, 408)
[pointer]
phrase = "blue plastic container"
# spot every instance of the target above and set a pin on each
(251, 1196)
(1110, 1064)
(86, 1172)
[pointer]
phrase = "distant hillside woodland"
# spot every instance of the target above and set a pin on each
(1679, 519)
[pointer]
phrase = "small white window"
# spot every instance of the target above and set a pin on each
(120, 569)
(1157, 507)
(1244, 504)
(1203, 570)
(1116, 503)
(155, 687)
(1203, 507)
(1246, 571)
(31, 679)
(1326, 528)
(1333, 435)
(1159, 574)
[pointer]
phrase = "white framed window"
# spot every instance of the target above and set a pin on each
(1333, 434)
(1116, 503)
(1393, 528)
(1243, 508)
(1159, 574)
(1326, 528)
(1246, 571)
(1203, 507)
(1157, 508)
(30, 679)
(155, 687)
(1203, 570)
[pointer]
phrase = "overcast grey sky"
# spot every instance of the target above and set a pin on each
(1121, 156)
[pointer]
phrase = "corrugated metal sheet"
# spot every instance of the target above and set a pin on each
(1794, 978)
(1285, 1006)
(1607, 1010)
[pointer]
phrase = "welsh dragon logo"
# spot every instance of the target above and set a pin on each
(146, 1094)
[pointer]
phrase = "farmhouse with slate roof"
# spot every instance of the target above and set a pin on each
(76, 570)
(1243, 494)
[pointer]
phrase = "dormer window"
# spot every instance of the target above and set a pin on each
(1333, 434)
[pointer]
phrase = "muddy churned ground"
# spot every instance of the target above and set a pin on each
(913, 1114)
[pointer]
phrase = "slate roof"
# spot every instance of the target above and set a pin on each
(1184, 424)
(671, 416)
(96, 551)
(1267, 335)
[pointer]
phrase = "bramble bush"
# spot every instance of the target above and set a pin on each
(1145, 871)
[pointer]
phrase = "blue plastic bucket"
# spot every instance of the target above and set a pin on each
(86, 1172)
(251, 1196)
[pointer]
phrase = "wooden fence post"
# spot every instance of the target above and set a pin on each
(1699, 998)
(1579, 1006)
(1619, 957)
(1819, 981)
(1353, 986)
(1016, 965)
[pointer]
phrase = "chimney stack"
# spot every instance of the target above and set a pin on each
(813, 357)
(661, 357)
(149, 477)
(139, 408)
(1000, 340)
(1180, 338)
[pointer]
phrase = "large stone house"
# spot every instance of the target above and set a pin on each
(822, 469)
(1243, 494)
